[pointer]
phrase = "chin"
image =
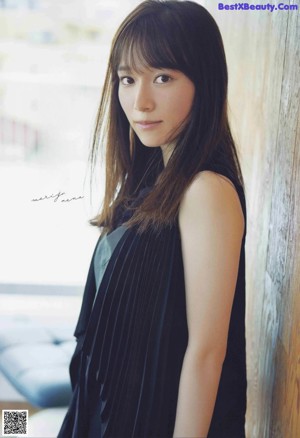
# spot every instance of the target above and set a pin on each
(149, 143)
(153, 143)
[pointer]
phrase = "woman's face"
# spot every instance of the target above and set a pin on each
(155, 101)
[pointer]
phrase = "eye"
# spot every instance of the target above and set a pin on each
(126, 80)
(163, 79)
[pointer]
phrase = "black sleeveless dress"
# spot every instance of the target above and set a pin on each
(131, 339)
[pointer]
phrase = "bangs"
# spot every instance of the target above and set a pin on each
(148, 42)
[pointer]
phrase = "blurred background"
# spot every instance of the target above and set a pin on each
(53, 57)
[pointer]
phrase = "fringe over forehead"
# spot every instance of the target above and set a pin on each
(156, 36)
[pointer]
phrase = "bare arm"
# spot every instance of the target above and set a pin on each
(211, 225)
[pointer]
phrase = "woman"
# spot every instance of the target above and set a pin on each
(161, 333)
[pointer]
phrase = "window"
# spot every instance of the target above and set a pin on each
(52, 64)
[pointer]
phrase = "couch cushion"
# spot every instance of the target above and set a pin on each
(36, 358)
(16, 331)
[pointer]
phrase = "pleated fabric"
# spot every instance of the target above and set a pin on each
(131, 339)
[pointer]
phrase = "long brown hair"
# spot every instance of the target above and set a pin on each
(172, 34)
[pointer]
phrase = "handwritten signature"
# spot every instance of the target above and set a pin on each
(56, 197)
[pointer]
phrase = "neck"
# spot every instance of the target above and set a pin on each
(166, 152)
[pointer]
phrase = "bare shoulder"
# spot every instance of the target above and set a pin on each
(211, 198)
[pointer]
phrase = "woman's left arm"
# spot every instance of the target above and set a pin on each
(211, 225)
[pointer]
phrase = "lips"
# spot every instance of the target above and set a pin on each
(147, 124)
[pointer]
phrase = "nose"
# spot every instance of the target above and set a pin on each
(143, 98)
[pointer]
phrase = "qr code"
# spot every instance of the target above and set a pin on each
(14, 422)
